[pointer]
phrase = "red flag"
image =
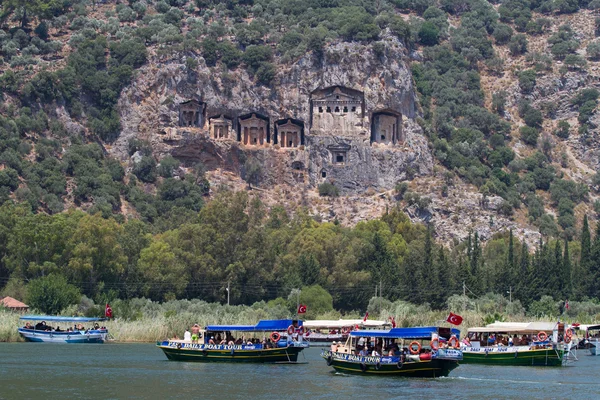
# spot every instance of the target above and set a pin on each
(567, 305)
(393, 322)
(366, 316)
(454, 319)
(301, 309)
(108, 311)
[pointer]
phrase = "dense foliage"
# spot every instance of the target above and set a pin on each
(233, 241)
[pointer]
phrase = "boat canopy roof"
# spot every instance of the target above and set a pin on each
(262, 326)
(340, 323)
(420, 332)
(516, 327)
(594, 327)
(59, 319)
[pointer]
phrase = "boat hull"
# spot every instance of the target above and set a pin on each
(93, 336)
(433, 368)
(226, 353)
(537, 358)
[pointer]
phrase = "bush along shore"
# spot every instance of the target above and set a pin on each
(144, 320)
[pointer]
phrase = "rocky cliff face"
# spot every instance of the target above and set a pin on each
(151, 110)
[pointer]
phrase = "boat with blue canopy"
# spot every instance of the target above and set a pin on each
(269, 341)
(46, 328)
(427, 351)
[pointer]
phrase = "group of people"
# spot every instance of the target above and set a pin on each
(42, 326)
(365, 348)
(194, 334)
(499, 340)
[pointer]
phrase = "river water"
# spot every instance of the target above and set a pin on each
(141, 371)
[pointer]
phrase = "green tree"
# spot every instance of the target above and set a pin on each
(51, 294)
(165, 277)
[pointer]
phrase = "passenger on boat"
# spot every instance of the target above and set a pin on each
(212, 340)
(491, 340)
(511, 342)
(466, 341)
(28, 326)
(364, 352)
(195, 333)
(58, 329)
(375, 353)
(334, 346)
(361, 343)
(187, 336)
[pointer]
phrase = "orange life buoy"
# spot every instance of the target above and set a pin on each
(413, 351)
(437, 344)
(307, 334)
(346, 330)
(453, 341)
(291, 330)
(569, 332)
(275, 336)
(542, 336)
(567, 339)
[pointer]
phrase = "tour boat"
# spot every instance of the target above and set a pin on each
(518, 343)
(324, 332)
(591, 337)
(78, 333)
(269, 341)
(426, 352)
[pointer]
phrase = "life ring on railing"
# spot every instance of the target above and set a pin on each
(542, 336)
(412, 350)
(301, 330)
(356, 327)
(307, 334)
(569, 332)
(437, 344)
(567, 339)
(346, 330)
(275, 336)
(291, 329)
(453, 341)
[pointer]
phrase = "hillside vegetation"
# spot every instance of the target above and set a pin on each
(508, 102)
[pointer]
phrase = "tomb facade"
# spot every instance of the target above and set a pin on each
(254, 129)
(221, 127)
(386, 127)
(190, 114)
(337, 111)
(289, 133)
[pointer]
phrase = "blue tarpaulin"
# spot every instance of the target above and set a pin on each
(59, 319)
(262, 326)
(420, 332)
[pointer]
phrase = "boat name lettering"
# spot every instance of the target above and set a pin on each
(368, 359)
(198, 346)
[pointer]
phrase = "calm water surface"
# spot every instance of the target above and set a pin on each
(141, 371)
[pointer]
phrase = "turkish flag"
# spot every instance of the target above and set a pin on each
(454, 319)
(366, 316)
(301, 309)
(108, 311)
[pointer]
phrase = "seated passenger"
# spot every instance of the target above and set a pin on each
(334, 346)
(364, 352)
(28, 326)
(212, 340)
(375, 353)
(58, 329)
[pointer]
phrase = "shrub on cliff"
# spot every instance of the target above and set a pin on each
(327, 189)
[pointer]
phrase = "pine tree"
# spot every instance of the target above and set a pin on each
(475, 261)
(594, 266)
(523, 287)
(566, 272)
(555, 278)
(580, 281)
